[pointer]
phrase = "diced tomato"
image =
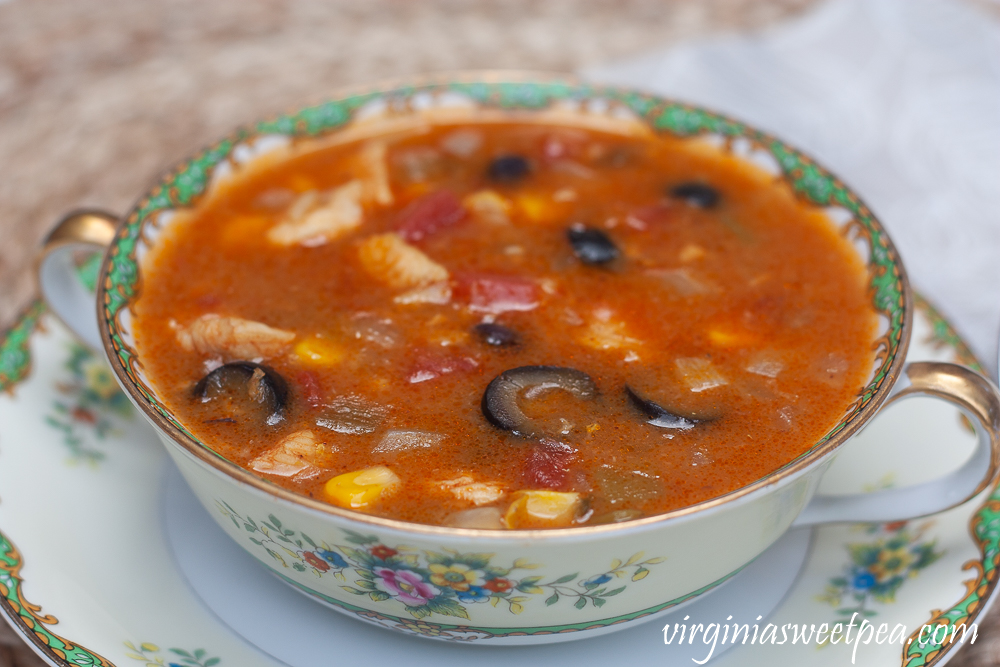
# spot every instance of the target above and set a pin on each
(429, 214)
(547, 466)
(497, 294)
(311, 388)
(431, 365)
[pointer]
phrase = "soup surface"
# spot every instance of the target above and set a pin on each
(506, 325)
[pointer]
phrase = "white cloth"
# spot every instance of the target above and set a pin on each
(901, 99)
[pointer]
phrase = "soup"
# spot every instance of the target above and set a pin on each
(506, 325)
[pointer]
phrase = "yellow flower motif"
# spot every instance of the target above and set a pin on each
(99, 379)
(420, 627)
(457, 576)
(891, 562)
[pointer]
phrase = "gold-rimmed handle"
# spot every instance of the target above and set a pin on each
(979, 400)
(56, 268)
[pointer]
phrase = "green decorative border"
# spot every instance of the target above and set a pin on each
(15, 357)
(29, 618)
(189, 181)
(984, 527)
(943, 336)
(15, 366)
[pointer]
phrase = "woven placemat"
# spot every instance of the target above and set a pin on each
(97, 97)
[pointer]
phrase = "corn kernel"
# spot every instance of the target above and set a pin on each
(360, 488)
(691, 253)
(730, 337)
(542, 509)
(319, 351)
(540, 209)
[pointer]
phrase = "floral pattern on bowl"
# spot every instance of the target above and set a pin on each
(432, 582)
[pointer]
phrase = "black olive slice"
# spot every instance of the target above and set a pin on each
(500, 400)
(592, 246)
(247, 390)
(496, 334)
(509, 168)
(657, 415)
(698, 195)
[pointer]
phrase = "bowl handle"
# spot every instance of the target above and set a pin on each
(979, 400)
(58, 276)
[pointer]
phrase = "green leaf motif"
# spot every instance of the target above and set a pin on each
(524, 564)
(447, 607)
(358, 538)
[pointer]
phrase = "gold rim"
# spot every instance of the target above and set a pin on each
(230, 470)
(92, 227)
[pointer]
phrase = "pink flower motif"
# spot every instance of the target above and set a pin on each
(406, 586)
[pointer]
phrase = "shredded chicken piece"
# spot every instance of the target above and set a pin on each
(296, 454)
(467, 489)
(233, 337)
(436, 293)
(315, 219)
(489, 206)
(376, 176)
(393, 261)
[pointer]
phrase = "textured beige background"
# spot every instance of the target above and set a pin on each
(99, 96)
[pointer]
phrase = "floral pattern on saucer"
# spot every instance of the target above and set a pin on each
(878, 568)
(87, 405)
(151, 654)
(429, 582)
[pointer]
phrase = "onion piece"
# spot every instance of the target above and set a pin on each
(699, 374)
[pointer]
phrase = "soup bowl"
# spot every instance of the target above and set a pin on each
(516, 586)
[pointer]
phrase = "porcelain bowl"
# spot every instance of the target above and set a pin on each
(505, 587)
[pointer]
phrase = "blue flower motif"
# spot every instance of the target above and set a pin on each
(474, 594)
(332, 558)
(597, 581)
(863, 580)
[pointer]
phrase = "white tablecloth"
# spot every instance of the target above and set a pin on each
(901, 99)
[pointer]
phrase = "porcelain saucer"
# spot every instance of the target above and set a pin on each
(94, 530)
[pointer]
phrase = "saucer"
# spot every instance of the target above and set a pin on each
(229, 582)
(93, 536)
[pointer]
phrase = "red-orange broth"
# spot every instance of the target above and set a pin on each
(404, 274)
